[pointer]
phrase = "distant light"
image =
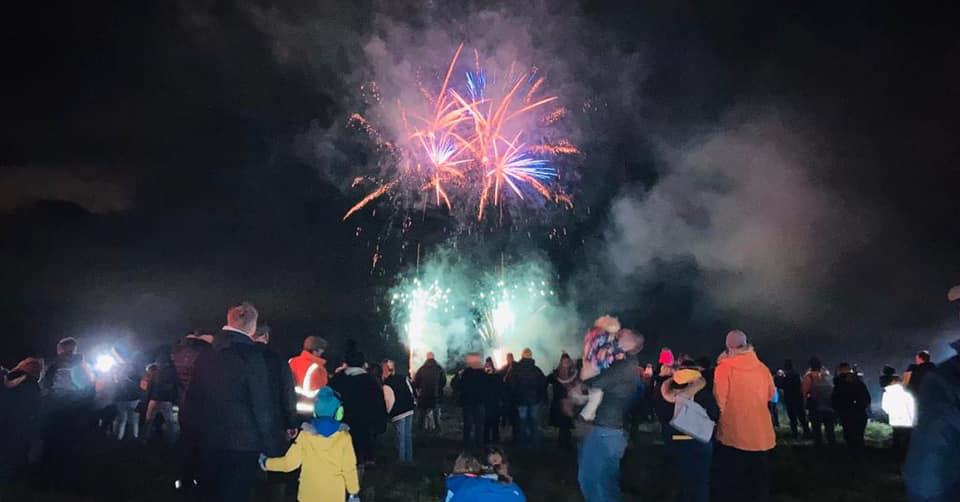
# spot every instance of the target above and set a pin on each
(105, 363)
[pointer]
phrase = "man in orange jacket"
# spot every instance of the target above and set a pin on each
(743, 386)
(309, 373)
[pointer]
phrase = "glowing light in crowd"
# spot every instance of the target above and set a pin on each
(499, 317)
(419, 304)
(104, 363)
(899, 405)
(467, 142)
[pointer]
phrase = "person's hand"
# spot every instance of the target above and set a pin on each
(262, 462)
(292, 434)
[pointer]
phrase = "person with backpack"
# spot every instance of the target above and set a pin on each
(689, 456)
(818, 392)
(743, 386)
(851, 401)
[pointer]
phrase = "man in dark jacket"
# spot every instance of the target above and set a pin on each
(528, 388)
(364, 409)
(19, 418)
(230, 402)
(472, 387)
(788, 381)
(400, 404)
(930, 470)
(429, 383)
(67, 399)
(161, 395)
(281, 383)
(851, 400)
(185, 355)
(917, 371)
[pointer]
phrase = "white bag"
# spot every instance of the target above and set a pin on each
(690, 418)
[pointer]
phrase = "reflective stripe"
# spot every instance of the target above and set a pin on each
(304, 408)
(305, 389)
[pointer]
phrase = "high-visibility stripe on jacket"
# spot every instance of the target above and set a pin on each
(309, 375)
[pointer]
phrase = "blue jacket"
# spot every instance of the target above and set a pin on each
(930, 470)
(470, 488)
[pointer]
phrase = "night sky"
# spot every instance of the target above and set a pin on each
(152, 166)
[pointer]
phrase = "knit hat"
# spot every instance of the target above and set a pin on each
(736, 339)
(526, 354)
(686, 375)
(328, 404)
(666, 357)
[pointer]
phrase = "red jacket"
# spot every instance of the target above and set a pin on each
(309, 374)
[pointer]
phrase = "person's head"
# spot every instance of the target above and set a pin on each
(389, 367)
(495, 462)
(488, 365)
(430, 356)
(844, 368)
(355, 359)
(629, 341)
(473, 360)
(243, 317)
(315, 345)
(815, 364)
(565, 361)
(526, 354)
(153, 368)
(67, 346)
(736, 340)
(510, 359)
(923, 357)
(467, 463)
(788, 364)
(889, 370)
(328, 404)
(262, 335)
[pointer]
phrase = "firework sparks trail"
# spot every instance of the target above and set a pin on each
(465, 143)
(420, 304)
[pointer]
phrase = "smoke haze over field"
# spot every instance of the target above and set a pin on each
(787, 170)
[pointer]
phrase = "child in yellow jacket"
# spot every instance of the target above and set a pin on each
(324, 453)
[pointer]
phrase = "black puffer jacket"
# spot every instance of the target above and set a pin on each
(851, 399)
(403, 397)
(429, 383)
(472, 387)
(229, 401)
(364, 409)
(527, 384)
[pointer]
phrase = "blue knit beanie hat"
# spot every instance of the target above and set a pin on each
(328, 405)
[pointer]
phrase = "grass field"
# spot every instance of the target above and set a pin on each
(133, 473)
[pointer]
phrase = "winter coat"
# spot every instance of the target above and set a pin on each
(68, 383)
(493, 402)
(327, 463)
(473, 488)
(281, 385)
(930, 470)
(560, 386)
(918, 372)
(230, 402)
(403, 402)
(527, 384)
(19, 419)
(472, 387)
(163, 385)
(851, 399)
(364, 408)
(309, 373)
(818, 391)
(791, 386)
(128, 384)
(429, 383)
(184, 355)
(743, 386)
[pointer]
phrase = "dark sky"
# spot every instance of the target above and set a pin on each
(149, 174)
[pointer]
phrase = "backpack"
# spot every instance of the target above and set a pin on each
(690, 418)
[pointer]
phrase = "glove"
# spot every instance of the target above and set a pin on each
(262, 461)
(353, 498)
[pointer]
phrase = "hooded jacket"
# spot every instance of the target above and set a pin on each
(364, 407)
(930, 470)
(527, 384)
(328, 465)
(743, 386)
(851, 399)
(309, 374)
(429, 382)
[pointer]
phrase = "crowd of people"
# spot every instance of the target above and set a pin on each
(228, 405)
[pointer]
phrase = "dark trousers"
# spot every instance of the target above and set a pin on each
(854, 428)
(565, 437)
(823, 422)
(473, 420)
(228, 476)
(774, 414)
(740, 475)
(691, 462)
(363, 444)
(797, 415)
(491, 426)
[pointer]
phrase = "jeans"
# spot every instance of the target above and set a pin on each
(473, 418)
(599, 464)
(404, 438)
(127, 416)
(430, 417)
(171, 426)
(691, 461)
(528, 424)
(740, 475)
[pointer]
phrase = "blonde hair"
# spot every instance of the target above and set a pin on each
(466, 464)
(243, 317)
